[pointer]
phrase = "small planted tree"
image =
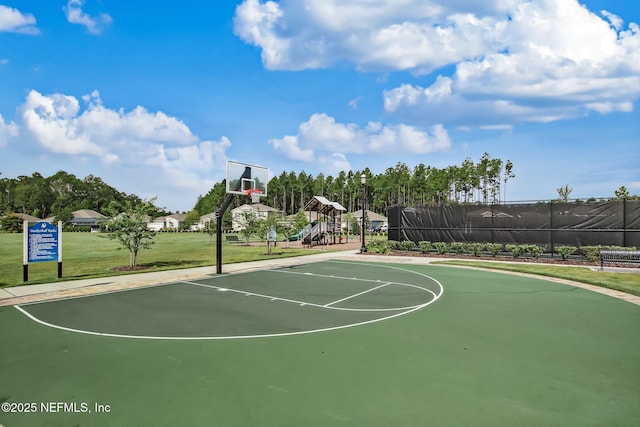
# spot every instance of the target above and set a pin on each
(287, 228)
(250, 224)
(129, 228)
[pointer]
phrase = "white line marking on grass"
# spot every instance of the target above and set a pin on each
(355, 295)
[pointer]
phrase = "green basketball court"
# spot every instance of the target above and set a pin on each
(328, 343)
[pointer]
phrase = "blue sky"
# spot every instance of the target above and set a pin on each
(154, 97)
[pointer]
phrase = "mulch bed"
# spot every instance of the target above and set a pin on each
(523, 259)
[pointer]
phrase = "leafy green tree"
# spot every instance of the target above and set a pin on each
(250, 224)
(508, 174)
(191, 218)
(564, 192)
(287, 228)
(621, 193)
(11, 224)
(65, 215)
(300, 220)
(129, 228)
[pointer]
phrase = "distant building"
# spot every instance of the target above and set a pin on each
(260, 210)
(373, 220)
(171, 222)
(23, 216)
(175, 221)
(84, 218)
(205, 221)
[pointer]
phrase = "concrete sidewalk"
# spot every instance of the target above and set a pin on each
(66, 289)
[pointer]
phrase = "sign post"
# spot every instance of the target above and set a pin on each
(42, 242)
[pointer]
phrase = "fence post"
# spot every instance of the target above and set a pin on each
(624, 221)
(551, 230)
(493, 228)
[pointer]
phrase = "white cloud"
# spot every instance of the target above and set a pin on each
(14, 21)
(616, 22)
(158, 149)
(321, 138)
(75, 15)
(514, 60)
(7, 131)
(415, 35)
(560, 61)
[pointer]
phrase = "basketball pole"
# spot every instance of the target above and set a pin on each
(220, 212)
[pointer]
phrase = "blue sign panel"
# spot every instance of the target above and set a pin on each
(42, 242)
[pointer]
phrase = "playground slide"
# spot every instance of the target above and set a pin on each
(302, 233)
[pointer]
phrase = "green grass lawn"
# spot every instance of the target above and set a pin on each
(88, 255)
(625, 282)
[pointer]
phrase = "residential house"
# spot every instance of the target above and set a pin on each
(23, 216)
(261, 211)
(172, 222)
(205, 222)
(87, 218)
(373, 220)
(175, 221)
(157, 224)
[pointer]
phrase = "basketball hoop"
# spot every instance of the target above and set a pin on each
(255, 194)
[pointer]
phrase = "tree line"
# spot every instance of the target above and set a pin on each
(484, 181)
(63, 193)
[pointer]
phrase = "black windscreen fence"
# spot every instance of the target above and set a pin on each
(547, 224)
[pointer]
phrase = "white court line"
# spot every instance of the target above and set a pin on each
(305, 303)
(358, 294)
(329, 276)
(406, 311)
(245, 293)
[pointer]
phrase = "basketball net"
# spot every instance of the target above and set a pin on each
(255, 194)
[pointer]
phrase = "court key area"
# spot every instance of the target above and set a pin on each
(291, 300)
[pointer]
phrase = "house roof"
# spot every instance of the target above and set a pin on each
(87, 214)
(178, 217)
(24, 216)
(371, 216)
(208, 217)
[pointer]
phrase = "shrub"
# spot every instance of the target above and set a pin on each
(494, 248)
(458, 247)
(424, 246)
(378, 247)
(393, 245)
(591, 252)
(407, 245)
(441, 247)
(535, 250)
(516, 250)
(565, 251)
(475, 248)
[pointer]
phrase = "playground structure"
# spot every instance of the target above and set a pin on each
(326, 228)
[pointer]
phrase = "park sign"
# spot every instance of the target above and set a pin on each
(42, 242)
